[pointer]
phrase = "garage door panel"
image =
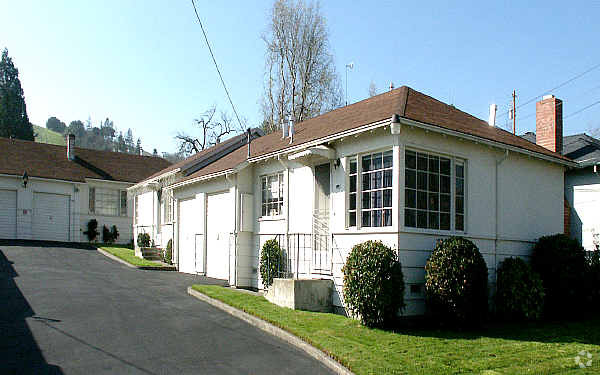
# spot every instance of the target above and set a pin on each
(191, 259)
(51, 217)
(8, 214)
(219, 225)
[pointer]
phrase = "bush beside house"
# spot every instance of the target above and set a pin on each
(271, 262)
(373, 284)
(143, 240)
(456, 282)
(519, 291)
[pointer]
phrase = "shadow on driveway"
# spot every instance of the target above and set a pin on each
(19, 352)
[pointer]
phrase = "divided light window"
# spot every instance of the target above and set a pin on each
(272, 194)
(374, 207)
(429, 194)
(109, 202)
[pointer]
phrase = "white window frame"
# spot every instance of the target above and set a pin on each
(103, 192)
(454, 160)
(281, 186)
(359, 191)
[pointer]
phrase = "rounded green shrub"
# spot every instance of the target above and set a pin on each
(143, 240)
(519, 291)
(92, 230)
(456, 282)
(168, 256)
(561, 264)
(373, 284)
(271, 262)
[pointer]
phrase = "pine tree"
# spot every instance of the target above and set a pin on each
(13, 112)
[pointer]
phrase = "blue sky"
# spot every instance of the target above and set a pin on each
(144, 64)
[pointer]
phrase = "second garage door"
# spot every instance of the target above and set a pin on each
(8, 214)
(219, 225)
(191, 258)
(51, 217)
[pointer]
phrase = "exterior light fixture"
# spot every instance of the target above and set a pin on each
(25, 179)
(395, 125)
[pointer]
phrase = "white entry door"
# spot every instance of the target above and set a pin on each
(51, 217)
(191, 257)
(219, 225)
(8, 214)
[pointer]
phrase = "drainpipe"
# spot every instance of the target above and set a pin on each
(497, 208)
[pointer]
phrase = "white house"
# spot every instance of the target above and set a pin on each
(400, 167)
(50, 192)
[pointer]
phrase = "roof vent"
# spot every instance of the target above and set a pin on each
(291, 130)
(391, 86)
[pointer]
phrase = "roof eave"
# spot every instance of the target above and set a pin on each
(159, 177)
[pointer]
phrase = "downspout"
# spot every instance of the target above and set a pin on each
(497, 209)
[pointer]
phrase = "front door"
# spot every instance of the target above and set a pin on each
(321, 218)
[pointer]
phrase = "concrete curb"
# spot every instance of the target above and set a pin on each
(151, 268)
(317, 354)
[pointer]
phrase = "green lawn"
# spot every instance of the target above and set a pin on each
(43, 135)
(542, 348)
(128, 255)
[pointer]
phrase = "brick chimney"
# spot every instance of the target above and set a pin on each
(549, 123)
(71, 147)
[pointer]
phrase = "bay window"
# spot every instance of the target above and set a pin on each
(429, 193)
(272, 194)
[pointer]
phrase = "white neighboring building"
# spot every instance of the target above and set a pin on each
(400, 167)
(65, 188)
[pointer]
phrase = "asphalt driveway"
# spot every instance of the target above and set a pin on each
(70, 310)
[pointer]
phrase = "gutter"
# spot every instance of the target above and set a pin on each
(153, 179)
(234, 170)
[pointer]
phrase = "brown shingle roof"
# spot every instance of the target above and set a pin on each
(50, 161)
(404, 101)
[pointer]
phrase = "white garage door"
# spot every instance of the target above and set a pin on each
(219, 225)
(51, 217)
(586, 202)
(8, 214)
(191, 257)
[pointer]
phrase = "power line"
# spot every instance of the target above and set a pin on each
(216, 65)
(582, 109)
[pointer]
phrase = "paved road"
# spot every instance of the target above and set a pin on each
(73, 311)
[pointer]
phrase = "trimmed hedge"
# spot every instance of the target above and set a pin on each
(456, 282)
(271, 262)
(561, 264)
(373, 284)
(143, 240)
(519, 291)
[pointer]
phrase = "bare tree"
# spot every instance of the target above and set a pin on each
(372, 89)
(212, 131)
(300, 76)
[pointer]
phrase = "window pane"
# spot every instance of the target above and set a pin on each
(352, 219)
(387, 178)
(366, 163)
(434, 202)
(366, 218)
(411, 179)
(353, 201)
(460, 170)
(421, 161)
(411, 160)
(366, 200)
(445, 202)
(445, 221)
(410, 218)
(387, 198)
(422, 180)
(377, 218)
(353, 165)
(376, 161)
(434, 182)
(434, 164)
(445, 166)
(460, 224)
(434, 222)
(460, 208)
(460, 187)
(123, 203)
(376, 180)
(410, 198)
(352, 183)
(421, 219)
(376, 199)
(445, 184)
(387, 218)
(366, 179)
(264, 210)
(387, 159)
(422, 200)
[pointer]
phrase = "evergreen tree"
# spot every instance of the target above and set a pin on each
(13, 112)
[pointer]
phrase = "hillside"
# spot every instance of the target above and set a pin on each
(43, 135)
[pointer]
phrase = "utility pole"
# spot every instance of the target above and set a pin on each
(514, 112)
